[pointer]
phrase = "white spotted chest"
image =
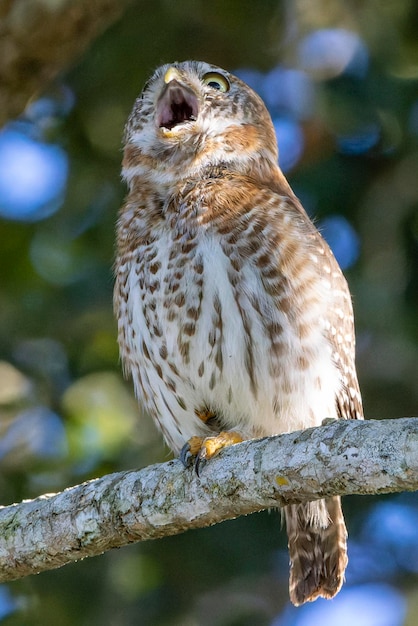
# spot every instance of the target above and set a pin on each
(194, 340)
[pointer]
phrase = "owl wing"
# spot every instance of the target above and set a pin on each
(266, 221)
(341, 334)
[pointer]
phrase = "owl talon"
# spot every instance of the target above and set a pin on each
(204, 449)
(190, 449)
(185, 455)
(199, 463)
(208, 449)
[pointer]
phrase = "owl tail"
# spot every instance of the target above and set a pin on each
(317, 548)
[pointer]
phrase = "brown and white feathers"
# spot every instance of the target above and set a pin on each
(229, 302)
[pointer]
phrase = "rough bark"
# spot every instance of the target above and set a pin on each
(343, 457)
(40, 38)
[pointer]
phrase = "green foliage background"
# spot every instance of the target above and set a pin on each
(58, 336)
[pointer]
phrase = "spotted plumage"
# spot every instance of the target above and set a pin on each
(233, 313)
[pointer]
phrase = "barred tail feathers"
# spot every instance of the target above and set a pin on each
(317, 548)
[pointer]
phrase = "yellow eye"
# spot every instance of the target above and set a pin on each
(216, 81)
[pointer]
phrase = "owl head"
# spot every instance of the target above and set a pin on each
(194, 115)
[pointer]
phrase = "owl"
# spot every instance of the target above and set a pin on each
(234, 319)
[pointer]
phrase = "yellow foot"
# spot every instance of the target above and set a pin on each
(204, 449)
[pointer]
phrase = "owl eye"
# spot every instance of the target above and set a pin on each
(216, 81)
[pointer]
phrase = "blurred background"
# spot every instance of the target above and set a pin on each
(340, 79)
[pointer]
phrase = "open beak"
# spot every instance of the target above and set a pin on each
(177, 103)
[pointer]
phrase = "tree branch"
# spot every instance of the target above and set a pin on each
(340, 458)
(40, 38)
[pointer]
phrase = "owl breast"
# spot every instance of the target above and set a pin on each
(204, 332)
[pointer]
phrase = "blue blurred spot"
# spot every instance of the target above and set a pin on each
(330, 52)
(7, 603)
(33, 176)
(36, 432)
(41, 109)
(393, 528)
(290, 140)
(289, 92)
(58, 104)
(342, 239)
(360, 141)
(367, 563)
(45, 356)
(366, 605)
(253, 78)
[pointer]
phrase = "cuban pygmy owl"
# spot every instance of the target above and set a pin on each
(234, 318)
